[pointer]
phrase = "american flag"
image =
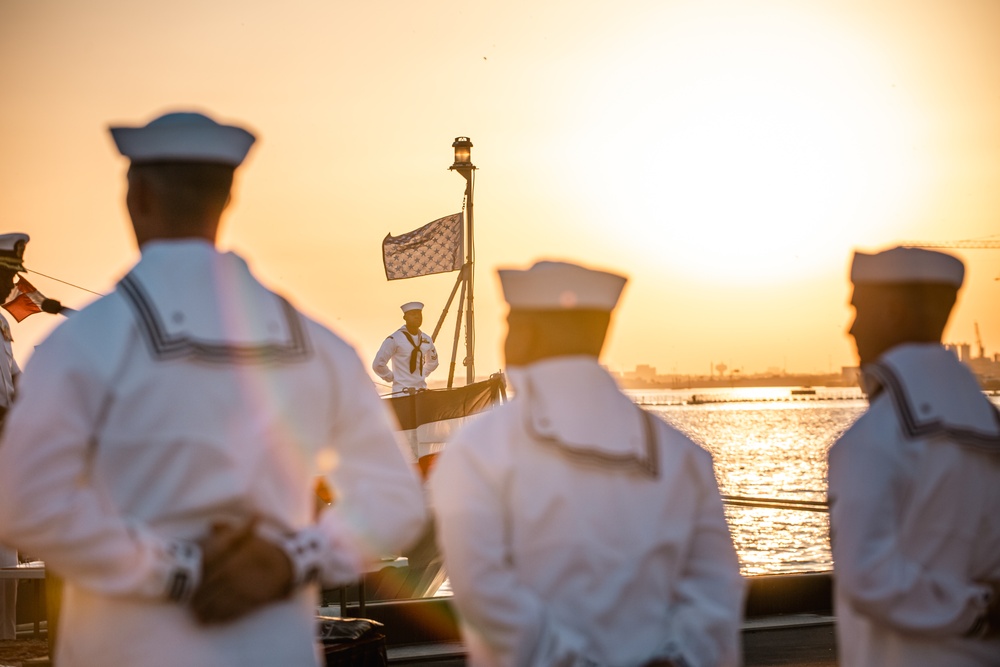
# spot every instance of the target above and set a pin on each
(437, 247)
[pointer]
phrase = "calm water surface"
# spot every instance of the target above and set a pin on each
(767, 443)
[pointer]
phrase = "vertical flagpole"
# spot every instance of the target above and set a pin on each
(463, 165)
(470, 326)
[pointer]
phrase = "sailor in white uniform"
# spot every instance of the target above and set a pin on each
(11, 263)
(163, 453)
(411, 352)
(914, 484)
(578, 529)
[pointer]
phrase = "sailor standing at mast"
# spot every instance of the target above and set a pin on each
(412, 352)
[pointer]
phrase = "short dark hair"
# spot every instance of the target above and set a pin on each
(927, 306)
(557, 333)
(191, 187)
(930, 305)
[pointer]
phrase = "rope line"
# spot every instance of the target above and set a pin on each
(39, 273)
(778, 503)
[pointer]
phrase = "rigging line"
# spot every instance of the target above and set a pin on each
(39, 273)
(789, 501)
(777, 503)
(472, 194)
(775, 506)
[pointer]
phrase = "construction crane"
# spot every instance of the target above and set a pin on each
(979, 341)
(969, 244)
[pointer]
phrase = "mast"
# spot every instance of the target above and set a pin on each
(463, 165)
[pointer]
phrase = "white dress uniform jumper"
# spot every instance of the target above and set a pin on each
(188, 396)
(412, 356)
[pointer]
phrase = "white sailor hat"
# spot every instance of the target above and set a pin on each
(412, 305)
(550, 285)
(185, 136)
(12, 251)
(907, 265)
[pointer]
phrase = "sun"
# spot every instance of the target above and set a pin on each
(751, 148)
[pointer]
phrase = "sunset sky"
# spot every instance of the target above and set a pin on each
(727, 156)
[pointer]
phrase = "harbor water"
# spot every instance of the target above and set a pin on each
(767, 443)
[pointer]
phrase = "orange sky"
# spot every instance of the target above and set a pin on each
(726, 155)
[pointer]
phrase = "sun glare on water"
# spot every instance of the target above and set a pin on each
(756, 146)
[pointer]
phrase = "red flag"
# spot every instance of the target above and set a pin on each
(25, 300)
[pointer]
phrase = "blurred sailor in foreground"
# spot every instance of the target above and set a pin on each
(578, 529)
(914, 484)
(164, 449)
(11, 263)
(411, 351)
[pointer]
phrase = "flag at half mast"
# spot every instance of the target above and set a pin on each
(437, 247)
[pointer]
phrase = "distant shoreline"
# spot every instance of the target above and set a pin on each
(683, 382)
(736, 381)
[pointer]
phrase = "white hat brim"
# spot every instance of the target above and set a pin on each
(222, 144)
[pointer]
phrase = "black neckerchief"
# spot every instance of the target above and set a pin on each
(417, 355)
